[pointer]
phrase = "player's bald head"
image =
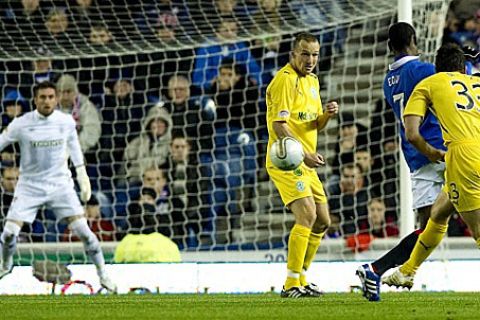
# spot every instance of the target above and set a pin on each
(449, 58)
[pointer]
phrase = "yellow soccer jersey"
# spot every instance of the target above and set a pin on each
(296, 100)
(454, 98)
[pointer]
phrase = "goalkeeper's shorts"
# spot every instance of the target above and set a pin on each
(32, 195)
(296, 184)
(462, 177)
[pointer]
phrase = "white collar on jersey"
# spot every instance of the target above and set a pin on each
(41, 116)
(400, 62)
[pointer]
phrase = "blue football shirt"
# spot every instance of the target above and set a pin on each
(401, 79)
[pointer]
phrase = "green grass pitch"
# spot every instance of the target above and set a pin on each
(405, 305)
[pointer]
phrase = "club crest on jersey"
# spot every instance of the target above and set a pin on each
(283, 114)
(300, 186)
(314, 93)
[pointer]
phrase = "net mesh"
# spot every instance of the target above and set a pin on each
(171, 111)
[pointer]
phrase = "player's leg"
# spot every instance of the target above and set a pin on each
(401, 252)
(295, 191)
(319, 228)
(66, 205)
(318, 231)
(23, 209)
(79, 226)
(8, 241)
(427, 241)
(426, 185)
(472, 219)
(304, 211)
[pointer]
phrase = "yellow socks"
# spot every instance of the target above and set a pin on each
(312, 248)
(427, 242)
(297, 247)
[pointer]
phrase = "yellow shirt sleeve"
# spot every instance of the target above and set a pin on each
(419, 101)
(282, 95)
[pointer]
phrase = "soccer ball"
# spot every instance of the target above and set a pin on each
(286, 153)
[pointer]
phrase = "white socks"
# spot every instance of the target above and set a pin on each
(90, 242)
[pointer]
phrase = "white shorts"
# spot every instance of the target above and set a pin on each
(427, 183)
(32, 195)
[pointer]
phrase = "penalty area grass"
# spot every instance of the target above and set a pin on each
(402, 305)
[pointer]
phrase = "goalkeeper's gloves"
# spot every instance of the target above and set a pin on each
(83, 183)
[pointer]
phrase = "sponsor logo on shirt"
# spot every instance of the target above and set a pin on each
(307, 116)
(46, 143)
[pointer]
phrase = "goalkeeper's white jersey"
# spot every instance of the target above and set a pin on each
(45, 144)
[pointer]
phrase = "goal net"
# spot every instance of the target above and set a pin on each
(169, 100)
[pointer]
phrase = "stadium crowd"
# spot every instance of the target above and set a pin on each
(169, 101)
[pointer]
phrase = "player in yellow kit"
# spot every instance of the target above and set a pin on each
(294, 109)
(454, 97)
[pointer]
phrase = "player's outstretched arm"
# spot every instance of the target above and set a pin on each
(412, 131)
(331, 109)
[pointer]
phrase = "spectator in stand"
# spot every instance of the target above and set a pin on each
(267, 16)
(9, 179)
(83, 111)
(378, 225)
(141, 213)
(8, 184)
(151, 210)
(348, 199)
(103, 228)
(23, 76)
(209, 58)
(99, 36)
(25, 13)
(236, 98)
(150, 149)
(187, 193)
(187, 112)
(211, 12)
(363, 157)
(230, 154)
(125, 193)
(57, 27)
(462, 26)
(168, 19)
(351, 136)
(85, 12)
(14, 105)
(270, 53)
(122, 115)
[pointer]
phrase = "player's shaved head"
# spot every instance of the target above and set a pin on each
(304, 36)
(450, 58)
(400, 36)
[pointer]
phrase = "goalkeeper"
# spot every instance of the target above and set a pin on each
(294, 109)
(46, 137)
